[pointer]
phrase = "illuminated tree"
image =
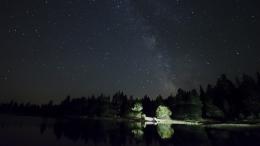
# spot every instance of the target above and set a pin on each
(163, 112)
(136, 111)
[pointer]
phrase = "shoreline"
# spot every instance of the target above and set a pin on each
(204, 122)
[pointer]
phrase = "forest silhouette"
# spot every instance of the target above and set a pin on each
(224, 101)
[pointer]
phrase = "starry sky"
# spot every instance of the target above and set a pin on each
(54, 48)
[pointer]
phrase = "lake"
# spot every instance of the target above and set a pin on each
(35, 131)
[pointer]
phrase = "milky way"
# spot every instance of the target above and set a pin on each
(51, 49)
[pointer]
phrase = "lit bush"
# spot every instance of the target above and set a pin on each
(163, 112)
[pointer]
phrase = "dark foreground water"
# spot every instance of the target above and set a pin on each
(31, 131)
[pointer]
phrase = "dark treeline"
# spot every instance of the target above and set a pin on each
(225, 100)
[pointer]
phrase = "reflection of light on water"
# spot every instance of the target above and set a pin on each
(233, 126)
(137, 129)
(138, 133)
(165, 131)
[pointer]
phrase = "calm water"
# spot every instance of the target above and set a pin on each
(31, 131)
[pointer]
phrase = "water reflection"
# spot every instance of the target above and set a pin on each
(165, 131)
(137, 129)
(96, 132)
(118, 133)
(112, 133)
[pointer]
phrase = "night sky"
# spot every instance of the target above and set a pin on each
(54, 48)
